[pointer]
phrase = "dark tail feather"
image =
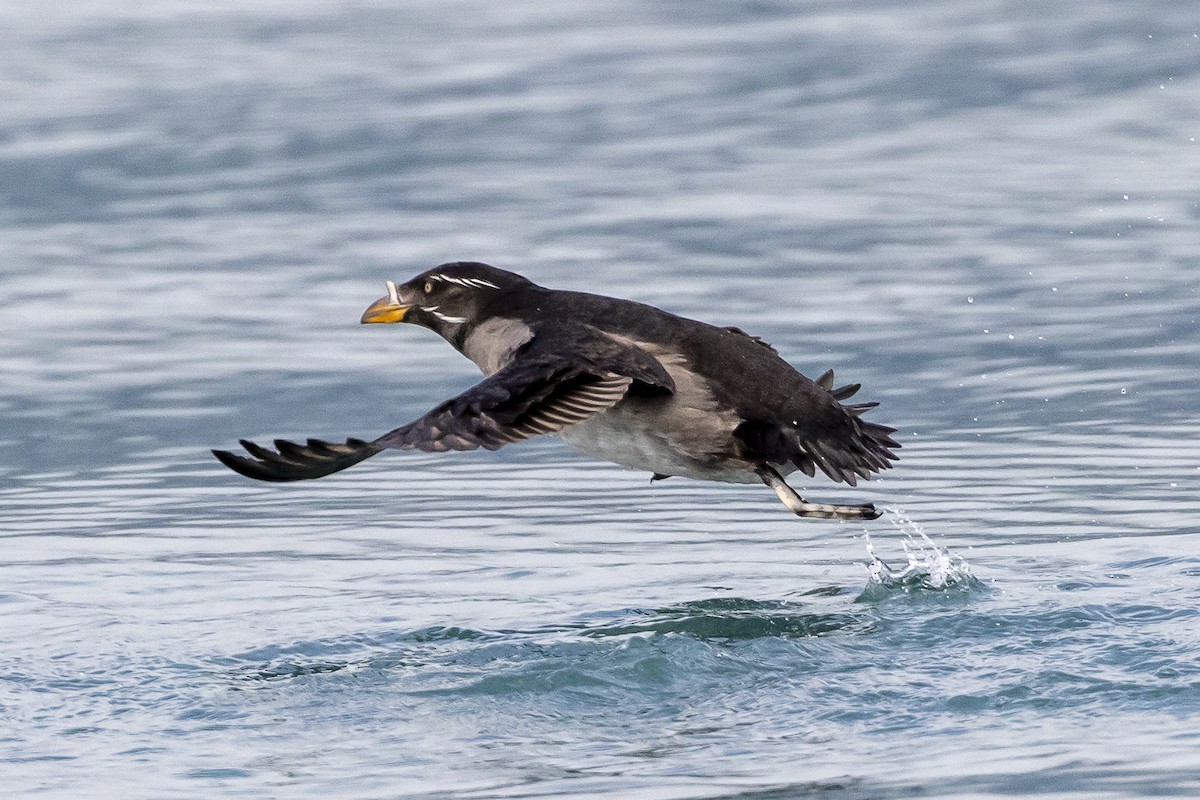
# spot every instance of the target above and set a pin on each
(836, 440)
(841, 392)
(296, 462)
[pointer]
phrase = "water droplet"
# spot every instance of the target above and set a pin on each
(1122, 390)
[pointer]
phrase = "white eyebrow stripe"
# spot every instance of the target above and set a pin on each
(476, 283)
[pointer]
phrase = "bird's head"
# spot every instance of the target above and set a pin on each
(447, 299)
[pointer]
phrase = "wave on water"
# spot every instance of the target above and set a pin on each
(449, 658)
(927, 567)
(729, 620)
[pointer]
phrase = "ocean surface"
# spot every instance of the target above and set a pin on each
(987, 212)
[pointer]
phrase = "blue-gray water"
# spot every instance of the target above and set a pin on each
(986, 212)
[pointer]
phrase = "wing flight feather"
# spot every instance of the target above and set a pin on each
(530, 397)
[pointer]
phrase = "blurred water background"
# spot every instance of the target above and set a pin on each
(987, 212)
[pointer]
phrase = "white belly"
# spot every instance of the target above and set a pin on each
(632, 440)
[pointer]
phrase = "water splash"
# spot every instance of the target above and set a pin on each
(928, 567)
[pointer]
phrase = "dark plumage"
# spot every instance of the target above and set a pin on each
(624, 381)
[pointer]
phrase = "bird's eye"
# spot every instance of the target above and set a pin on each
(428, 287)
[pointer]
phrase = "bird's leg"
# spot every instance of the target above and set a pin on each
(802, 508)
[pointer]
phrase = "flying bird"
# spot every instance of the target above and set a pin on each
(623, 381)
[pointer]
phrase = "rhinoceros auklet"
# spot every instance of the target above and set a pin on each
(620, 380)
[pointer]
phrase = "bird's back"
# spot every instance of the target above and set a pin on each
(745, 373)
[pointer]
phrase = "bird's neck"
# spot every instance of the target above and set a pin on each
(491, 344)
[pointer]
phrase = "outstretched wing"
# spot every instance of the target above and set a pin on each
(529, 397)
